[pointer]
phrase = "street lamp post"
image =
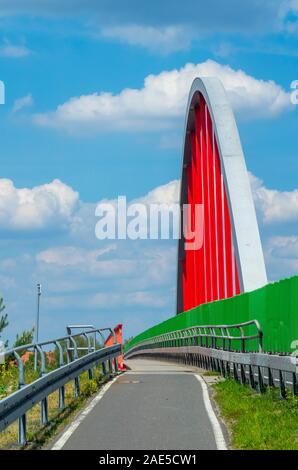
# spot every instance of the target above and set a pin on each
(37, 323)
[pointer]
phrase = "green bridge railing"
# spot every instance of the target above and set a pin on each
(275, 306)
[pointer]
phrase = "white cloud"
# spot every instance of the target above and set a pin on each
(285, 247)
(14, 51)
(72, 256)
(165, 194)
(162, 101)
(77, 259)
(112, 276)
(274, 206)
(141, 263)
(87, 261)
(289, 16)
(49, 206)
(128, 299)
(281, 254)
(23, 102)
(159, 39)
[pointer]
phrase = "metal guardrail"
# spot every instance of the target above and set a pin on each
(218, 348)
(78, 360)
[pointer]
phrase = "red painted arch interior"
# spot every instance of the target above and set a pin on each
(209, 272)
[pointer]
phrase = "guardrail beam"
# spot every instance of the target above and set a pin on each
(15, 406)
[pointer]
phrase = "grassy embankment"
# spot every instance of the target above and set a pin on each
(256, 421)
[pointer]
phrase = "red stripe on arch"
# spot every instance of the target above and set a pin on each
(219, 213)
(228, 248)
(207, 247)
(212, 214)
(195, 199)
(200, 258)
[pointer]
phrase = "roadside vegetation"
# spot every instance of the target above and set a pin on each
(258, 421)
(38, 435)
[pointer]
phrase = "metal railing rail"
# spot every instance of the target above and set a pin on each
(78, 360)
(216, 348)
(215, 336)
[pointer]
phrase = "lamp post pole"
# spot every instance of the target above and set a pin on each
(37, 323)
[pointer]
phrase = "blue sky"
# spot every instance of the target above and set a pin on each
(89, 116)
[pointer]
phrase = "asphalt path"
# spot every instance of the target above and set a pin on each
(154, 406)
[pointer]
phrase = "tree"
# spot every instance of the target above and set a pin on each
(25, 338)
(3, 320)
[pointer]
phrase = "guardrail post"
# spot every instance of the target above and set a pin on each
(295, 385)
(223, 368)
(235, 371)
(251, 377)
(22, 431)
(44, 402)
(243, 376)
(44, 411)
(270, 378)
(90, 375)
(282, 387)
(77, 387)
(260, 380)
(61, 396)
(76, 379)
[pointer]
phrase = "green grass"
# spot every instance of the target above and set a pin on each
(258, 422)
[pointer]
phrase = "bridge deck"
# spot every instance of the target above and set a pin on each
(154, 405)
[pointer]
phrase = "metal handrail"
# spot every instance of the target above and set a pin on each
(37, 348)
(52, 341)
(209, 331)
(193, 346)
